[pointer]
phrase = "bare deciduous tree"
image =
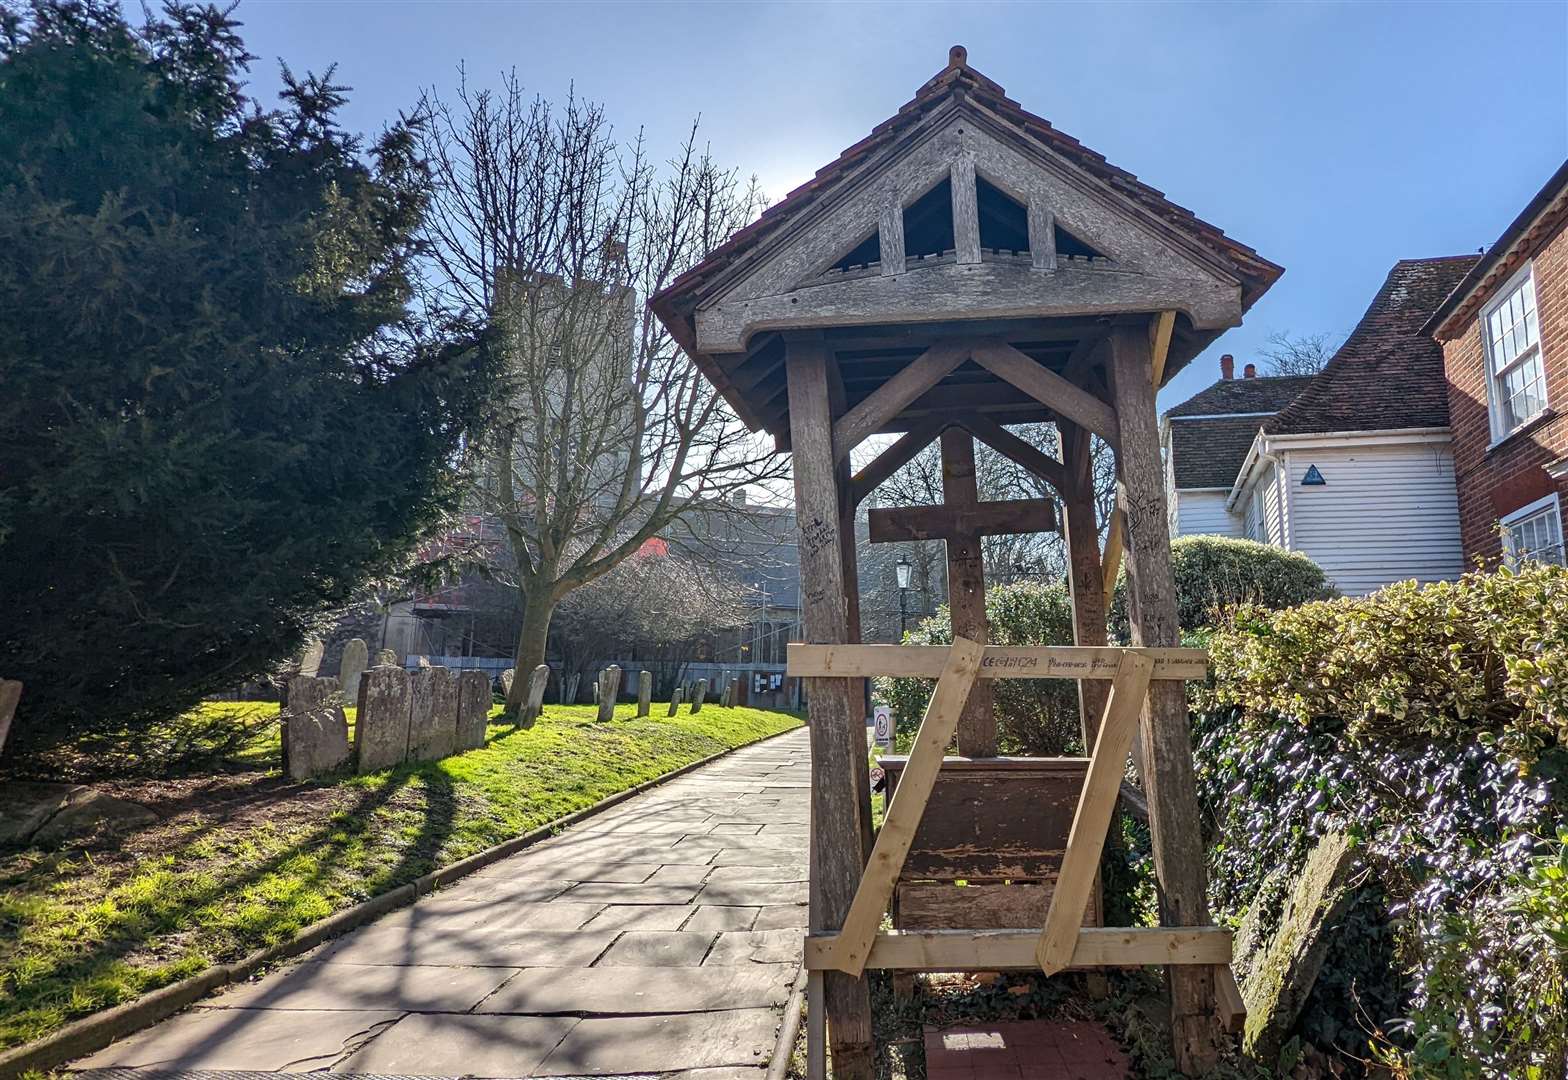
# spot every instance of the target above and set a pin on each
(608, 434)
(1284, 353)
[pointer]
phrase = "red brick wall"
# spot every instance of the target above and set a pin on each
(1494, 481)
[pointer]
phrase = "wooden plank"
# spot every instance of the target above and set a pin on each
(1233, 1008)
(1111, 565)
(1166, 739)
(1075, 882)
(837, 731)
(890, 232)
(966, 209)
(1001, 661)
(1015, 449)
(816, 1028)
(944, 905)
(889, 399)
(853, 943)
(946, 522)
(1160, 343)
(1042, 233)
(1083, 569)
(1000, 950)
(966, 580)
(1047, 387)
(895, 457)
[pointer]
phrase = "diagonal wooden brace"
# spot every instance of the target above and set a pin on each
(851, 947)
(1096, 803)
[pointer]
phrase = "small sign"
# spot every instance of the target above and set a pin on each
(1313, 478)
(886, 727)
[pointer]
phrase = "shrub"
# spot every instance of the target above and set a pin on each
(1427, 723)
(1034, 716)
(219, 415)
(1216, 574)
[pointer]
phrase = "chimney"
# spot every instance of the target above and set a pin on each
(1250, 371)
(738, 497)
(1227, 366)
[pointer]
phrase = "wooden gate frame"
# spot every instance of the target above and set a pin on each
(1063, 941)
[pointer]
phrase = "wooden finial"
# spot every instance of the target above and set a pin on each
(957, 56)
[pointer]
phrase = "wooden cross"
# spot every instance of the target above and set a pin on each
(961, 521)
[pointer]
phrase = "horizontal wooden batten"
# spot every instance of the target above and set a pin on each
(946, 521)
(1000, 950)
(1000, 662)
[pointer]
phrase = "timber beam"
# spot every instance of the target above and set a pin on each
(1047, 387)
(895, 457)
(888, 400)
(1013, 448)
(1002, 950)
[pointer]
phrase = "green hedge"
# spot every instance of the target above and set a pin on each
(1215, 574)
(1429, 724)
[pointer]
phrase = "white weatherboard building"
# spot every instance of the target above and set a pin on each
(1353, 466)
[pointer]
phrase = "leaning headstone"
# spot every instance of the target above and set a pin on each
(356, 657)
(609, 690)
(10, 694)
(699, 695)
(538, 682)
(381, 725)
(432, 714)
(675, 700)
(310, 659)
(315, 731)
(473, 709)
(728, 698)
(508, 677)
(386, 656)
(644, 691)
(1284, 972)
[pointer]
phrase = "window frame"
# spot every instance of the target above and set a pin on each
(1550, 507)
(1495, 400)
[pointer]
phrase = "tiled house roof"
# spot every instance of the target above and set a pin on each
(1388, 374)
(1208, 452)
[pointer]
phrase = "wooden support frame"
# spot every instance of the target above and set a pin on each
(1010, 446)
(895, 457)
(1160, 344)
(893, 396)
(1001, 950)
(999, 661)
(1047, 387)
(1081, 861)
(1111, 562)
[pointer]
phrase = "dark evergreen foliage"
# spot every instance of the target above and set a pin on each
(218, 415)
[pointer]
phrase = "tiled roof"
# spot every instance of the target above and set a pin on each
(1388, 374)
(1209, 453)
(1264, 394)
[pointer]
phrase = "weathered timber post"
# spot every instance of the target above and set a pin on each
(966, 589)
(838, 738)
(644, 691)
(1166, 738)
(1083, 557)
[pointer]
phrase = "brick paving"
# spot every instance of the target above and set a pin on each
(1024, 1050)
(662, 936)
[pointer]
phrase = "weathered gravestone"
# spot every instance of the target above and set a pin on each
(727, 699)
(1282, 973)
(569, 688)
(675, 700)
(381, 724)
(508, 677)
(356, 657)
(609, 690)
(10, 695)
(644, 691)
(310, 659)
(538, 682)
(386, 656)
(699, 695)
(315, 731)
(473, 709)
(432, 714)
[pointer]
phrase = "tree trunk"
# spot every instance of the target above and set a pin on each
(531, 642)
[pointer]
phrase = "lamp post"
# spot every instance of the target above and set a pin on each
(902, 568)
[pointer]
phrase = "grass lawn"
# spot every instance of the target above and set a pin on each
(245, 862)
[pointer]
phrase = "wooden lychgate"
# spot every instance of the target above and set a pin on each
(965, 268)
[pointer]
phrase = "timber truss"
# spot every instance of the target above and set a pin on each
(1063, 942)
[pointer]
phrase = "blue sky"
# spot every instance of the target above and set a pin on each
(1333, 138)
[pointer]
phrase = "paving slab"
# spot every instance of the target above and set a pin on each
(482, 947)
(632, 1044)
(756, 894)
(757, 947)
(370, 986)
(657, 948)
(722, 918)
(262, 1040)
(444, 1044)
(632, 990)
(641, 917)
(613, 892)
(783, 917)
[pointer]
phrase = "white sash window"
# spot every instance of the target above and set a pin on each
(1511, 333)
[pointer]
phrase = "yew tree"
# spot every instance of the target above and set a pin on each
(220, 414)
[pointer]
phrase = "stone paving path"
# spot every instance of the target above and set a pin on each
(662, 936)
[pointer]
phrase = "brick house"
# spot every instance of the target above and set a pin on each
(1504, 335)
